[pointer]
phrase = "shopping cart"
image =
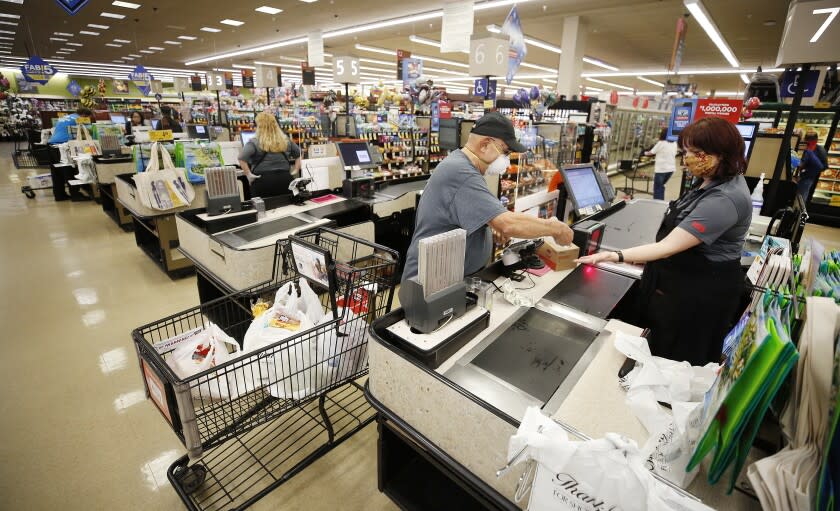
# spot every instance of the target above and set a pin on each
(240, 449)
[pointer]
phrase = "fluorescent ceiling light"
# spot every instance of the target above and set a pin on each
(157, 48)
(65, 34)
(309, 1)
(745, 78)
(611, 84)
(599, 63)
(57, 57)
(134, 55)
(13, 16)
(374, 61)
(385, 51)
(209, 29)
(146, 51)
(68, 49)
(496, 29)
(112, 15)
(12, 23)
(427, 42)
(102, 27)
(112, 45)
(233, 23)
(595, 89)
(128, 58)
(57, 39)
(14, 1)
(7, 32)
(240, 66)
(61, 52)
(7, 38)
(118, 61)
(268, 10)
(127, 5)
(535, 66)
(696, 8)
(652, 82)
(74, 44)
(683, 72)
(174, 43)
(88, 32)
(357, 29)
(186, 37)
(121, 41)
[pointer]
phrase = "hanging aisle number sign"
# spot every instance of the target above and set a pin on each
(266, 76)
(346, 70)
(215, 81)
(489, 56)
(812, 33)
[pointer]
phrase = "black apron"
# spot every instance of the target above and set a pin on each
(688, 302)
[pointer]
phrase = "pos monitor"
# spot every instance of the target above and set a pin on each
(584, 189)
(246, 136)
(449, 134)
(748, 132)
(118, 118)
(356, 155)
(198, 131)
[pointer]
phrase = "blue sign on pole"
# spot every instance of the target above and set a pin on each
(37, 70)
(74, 88)
(491, 89)
(790, 80)
(480, 87)
(681, 116)
(142, 79)
(72, 6)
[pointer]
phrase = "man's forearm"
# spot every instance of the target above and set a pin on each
(519, 225)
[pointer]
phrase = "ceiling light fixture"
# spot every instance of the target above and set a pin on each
(101, 27)
(599, 63)
(122, 41)
(233, 23)
(209, 29)
(174, 43)
(309, 1)
(146, 51)
(65, 34)
(496, 29)
(57, 39)
(241, 66)
(112, 45)
(611, 84)
(12, 23)
(427, 42)
(696, 8)
(112, 15)
(74, 44)
(62, 52)
(12, 16)
(134, 55)
(268, 10)
(88, 32)
(7, 38)
(127, 5)
(683, 72)
(652, 82)
(128, 58)
(7, 32)
(156, 48)
(745, 78)
(355, 30)
(594, 89)
(186, 37)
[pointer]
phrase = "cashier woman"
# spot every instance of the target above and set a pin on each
(457, 196)
(267, 159)
(692, 282)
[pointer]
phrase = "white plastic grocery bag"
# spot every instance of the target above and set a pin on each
(673, 434)
(162, 186)
(345, 346)
(590, 475)
(205, 349)
(290, 370)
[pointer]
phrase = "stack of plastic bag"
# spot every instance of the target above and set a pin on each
(607, 473)
(201, 350)
(290, 370)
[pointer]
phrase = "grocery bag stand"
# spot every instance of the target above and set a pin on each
(240, 449)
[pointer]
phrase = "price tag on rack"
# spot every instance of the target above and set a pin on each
(160, 135)
(82, 120)
(489, 56)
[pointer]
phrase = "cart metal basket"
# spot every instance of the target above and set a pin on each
(239, 449)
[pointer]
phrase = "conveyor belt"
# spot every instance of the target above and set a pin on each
(257, 231)
(591, 290)
(635, 224)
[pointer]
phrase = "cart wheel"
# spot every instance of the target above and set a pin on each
(28, 192)
(191, 478)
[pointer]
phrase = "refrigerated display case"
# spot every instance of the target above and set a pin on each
(827, 194)
(632, 132)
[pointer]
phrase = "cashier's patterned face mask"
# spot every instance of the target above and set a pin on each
(700, 164)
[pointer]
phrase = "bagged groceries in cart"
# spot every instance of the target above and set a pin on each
(604, 473)
(197, 351)
(163, 187)
(291, 371)
(346, 346)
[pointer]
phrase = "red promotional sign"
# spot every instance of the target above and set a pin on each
(613, 97)
(729, 109)
(445, 109)
(636, 102)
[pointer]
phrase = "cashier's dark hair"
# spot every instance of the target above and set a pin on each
(718, 137)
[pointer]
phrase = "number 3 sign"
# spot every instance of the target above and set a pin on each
(489, 56)
(215, 81)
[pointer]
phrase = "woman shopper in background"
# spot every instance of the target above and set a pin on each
(267, 158)
(692, 282)
(665, 165)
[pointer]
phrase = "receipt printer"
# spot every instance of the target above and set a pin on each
(588, 235)
(361, 187)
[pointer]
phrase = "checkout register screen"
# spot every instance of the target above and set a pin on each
(354, 154)
(585, 187)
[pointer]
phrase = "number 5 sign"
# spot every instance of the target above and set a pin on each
(346, 70)
(489, 56)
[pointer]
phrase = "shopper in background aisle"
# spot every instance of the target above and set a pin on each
(267, 158)
(456, 196)
(136, 119)
(692, 282)
(814, 160)
(665, 165)
(61, 132)
(168, 123)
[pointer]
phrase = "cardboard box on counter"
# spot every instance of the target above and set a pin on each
(558, 257)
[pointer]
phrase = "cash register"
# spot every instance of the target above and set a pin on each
(587, 190)
(358, 158)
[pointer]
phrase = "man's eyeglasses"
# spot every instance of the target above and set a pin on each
(505, 152)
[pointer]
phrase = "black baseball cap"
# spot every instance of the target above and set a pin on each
(496, 125)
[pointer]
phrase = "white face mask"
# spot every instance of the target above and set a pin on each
(499, 166)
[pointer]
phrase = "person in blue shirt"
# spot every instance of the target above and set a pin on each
(61, 132)
(814, 161)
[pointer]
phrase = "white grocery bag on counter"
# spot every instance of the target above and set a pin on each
(162, 186)
(673, 434)
(290, 372)
(200, 350)
(592, 475)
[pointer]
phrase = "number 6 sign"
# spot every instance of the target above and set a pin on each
(489, 56)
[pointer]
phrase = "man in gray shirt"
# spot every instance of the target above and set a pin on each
(457, 196)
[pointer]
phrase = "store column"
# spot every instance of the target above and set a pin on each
(571, 63)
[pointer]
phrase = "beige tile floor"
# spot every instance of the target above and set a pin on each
(76, 431)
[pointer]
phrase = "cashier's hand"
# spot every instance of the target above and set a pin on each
(600, 257)
(561, 232)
